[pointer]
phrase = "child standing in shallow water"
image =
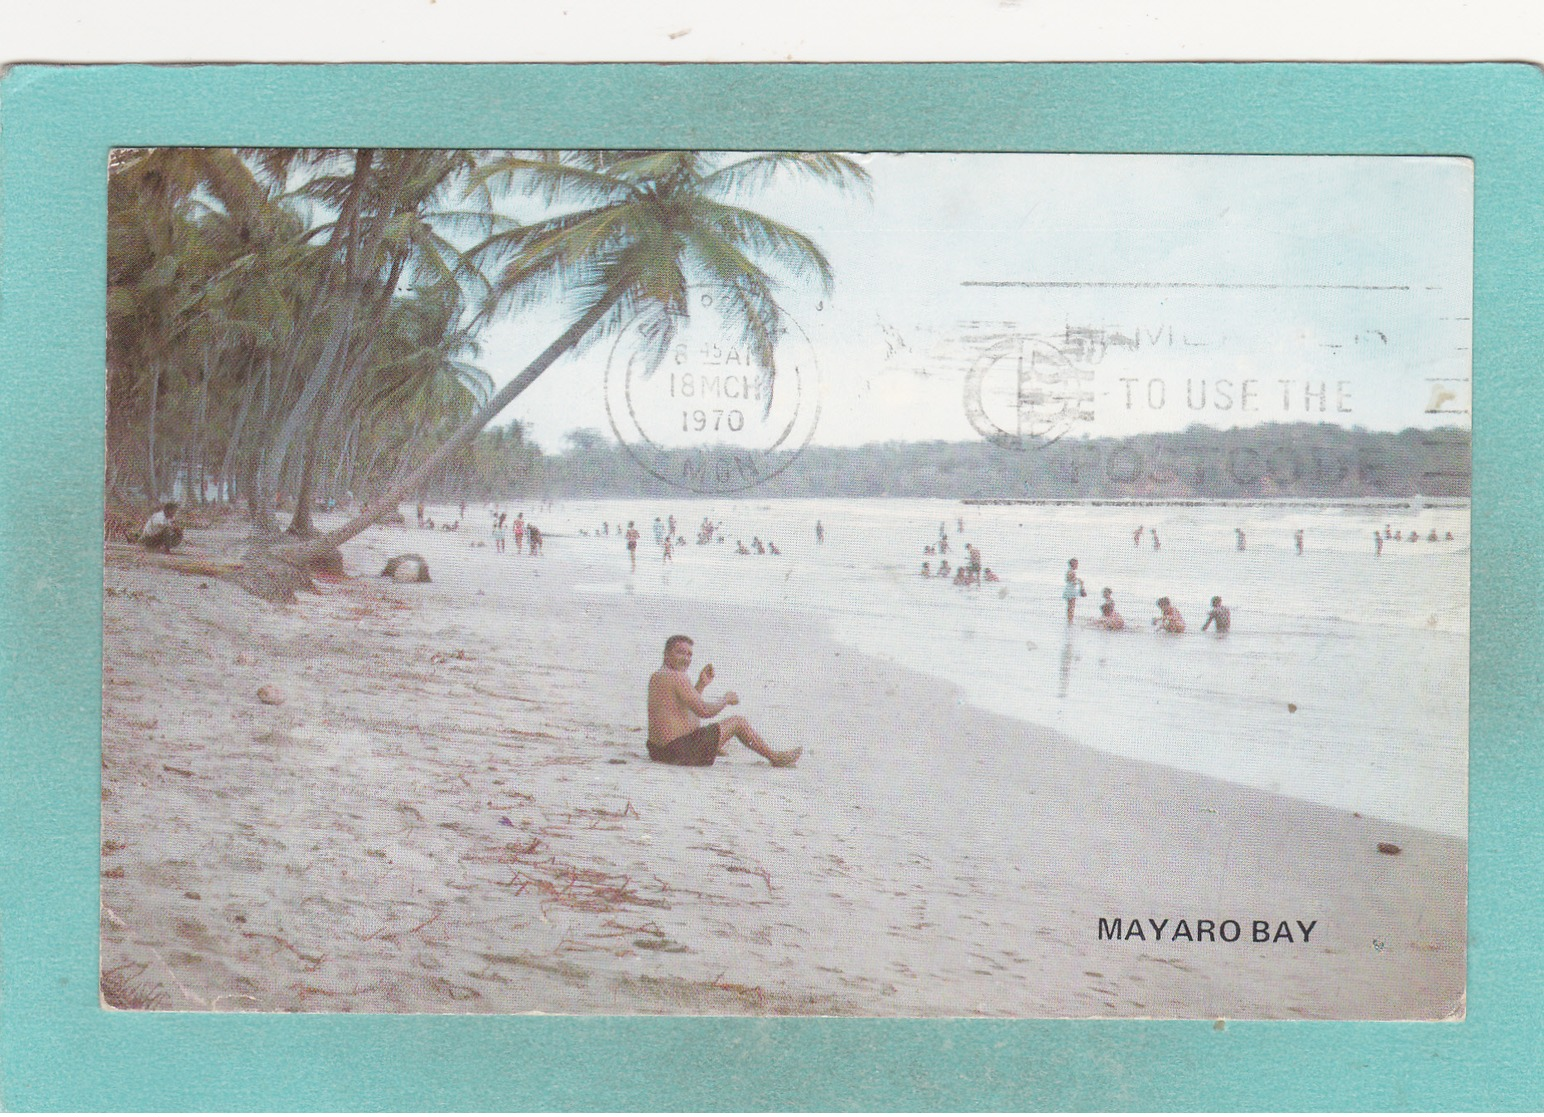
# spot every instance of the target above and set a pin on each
(1073, 589)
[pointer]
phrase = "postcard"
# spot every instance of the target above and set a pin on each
(516, 419)
(786, 583)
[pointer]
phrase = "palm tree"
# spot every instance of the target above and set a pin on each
(164, 249)
(234, 313)
(384, 235)
(420, 386)
(636, 230)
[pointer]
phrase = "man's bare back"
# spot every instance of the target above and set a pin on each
(676, 710)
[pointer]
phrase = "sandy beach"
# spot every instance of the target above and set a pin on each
(449, 809)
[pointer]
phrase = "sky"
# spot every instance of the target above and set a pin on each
(1078, 295)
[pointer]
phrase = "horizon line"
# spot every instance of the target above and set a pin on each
(612, 441)
(1190, 285)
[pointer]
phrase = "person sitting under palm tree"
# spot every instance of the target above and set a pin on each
(162, 532)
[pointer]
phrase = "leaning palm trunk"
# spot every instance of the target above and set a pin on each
(276, 572)
(302, 421)
(388, 502)
(652, 219)
(342, 252)
(326, 420)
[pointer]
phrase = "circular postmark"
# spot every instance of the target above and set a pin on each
(1028, 390)
(702, 416)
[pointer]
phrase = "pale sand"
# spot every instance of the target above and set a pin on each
(345, 850)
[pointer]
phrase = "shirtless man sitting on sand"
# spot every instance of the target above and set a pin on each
(676, 732)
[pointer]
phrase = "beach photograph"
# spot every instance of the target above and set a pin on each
(634, 582)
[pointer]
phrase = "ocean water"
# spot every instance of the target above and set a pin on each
(1344, 680)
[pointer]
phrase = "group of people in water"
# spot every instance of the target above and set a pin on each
(1389, 535)
(1379, 538)
(971, 572)
(527, 535)
(667, 538)
(1169, 619)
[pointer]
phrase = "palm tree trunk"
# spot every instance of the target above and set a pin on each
(348, 459)
(358, 354)
(265, 528)
(300, 523)
(259, 505)
(228, 466)
(155, 393)
(305, 553)
(200, 432)
(303, 417)
(325, 418)
(344, 246)
(363, 480)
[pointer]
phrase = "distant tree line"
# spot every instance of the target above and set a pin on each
(1280, 461)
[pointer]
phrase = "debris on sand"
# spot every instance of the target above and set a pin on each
(407, 568)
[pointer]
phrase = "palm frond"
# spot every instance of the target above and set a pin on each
(330, 189)
(758, 171)
(551, 257)
(551, 182)
(441, 261)
(756, 312)
(477, 383)
(648, 169)
(654, 298)
(792, 251)
(468, 221)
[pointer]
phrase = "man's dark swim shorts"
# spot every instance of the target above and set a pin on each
(697, 749)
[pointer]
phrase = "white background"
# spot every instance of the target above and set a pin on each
(803, 30)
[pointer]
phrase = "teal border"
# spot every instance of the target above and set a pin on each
(59, 1051)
